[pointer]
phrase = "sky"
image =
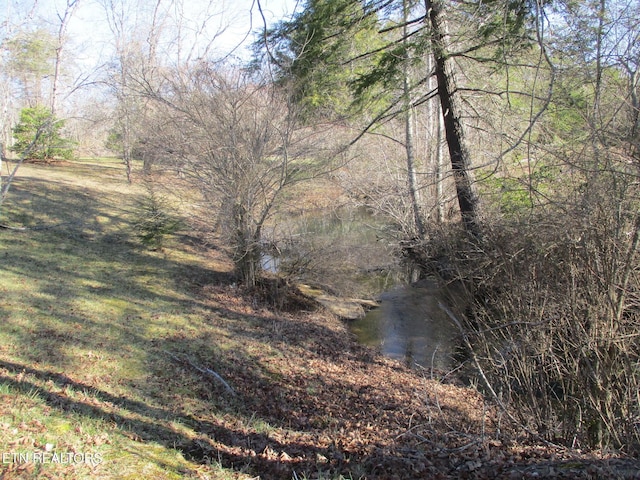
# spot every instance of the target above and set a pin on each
(90, 30)
(236, 17)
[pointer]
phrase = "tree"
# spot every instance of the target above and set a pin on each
(319, 51)
(454, 131)
(241, 144)
(64, 18)
(325, 50)
(8, 28)
(31, 57)
(148, 38)
(38, 135)
(316, 37)
(128, 53)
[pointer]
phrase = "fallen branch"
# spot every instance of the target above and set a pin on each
(38, 227)
(20, 229)
(205, 370)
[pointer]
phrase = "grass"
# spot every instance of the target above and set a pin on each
(104, 346)
(86, 316)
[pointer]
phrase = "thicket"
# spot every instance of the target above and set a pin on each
(550, 311)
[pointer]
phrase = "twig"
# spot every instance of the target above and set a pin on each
(503, 407)
(205, 370)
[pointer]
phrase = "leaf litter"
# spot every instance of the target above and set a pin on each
(335, 407)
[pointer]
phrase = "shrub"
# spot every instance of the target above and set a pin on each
(38, 135)
(552, 314)
(153, 222)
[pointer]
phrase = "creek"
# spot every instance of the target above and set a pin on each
(409, 326)
(344, 253)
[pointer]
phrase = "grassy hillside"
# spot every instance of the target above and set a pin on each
(109, 354)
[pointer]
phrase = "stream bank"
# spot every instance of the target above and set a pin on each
(344, 260)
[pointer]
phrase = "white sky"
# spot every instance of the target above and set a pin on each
(90, 31)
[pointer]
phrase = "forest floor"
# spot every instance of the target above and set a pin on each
(121, 362)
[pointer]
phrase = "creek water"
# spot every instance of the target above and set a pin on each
(410, 326)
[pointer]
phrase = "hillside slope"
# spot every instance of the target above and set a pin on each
(120, 362)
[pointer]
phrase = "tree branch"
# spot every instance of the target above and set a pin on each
(204, 370)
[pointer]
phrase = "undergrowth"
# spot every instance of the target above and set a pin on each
(549, 306)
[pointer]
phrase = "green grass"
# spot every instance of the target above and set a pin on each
(88, 315)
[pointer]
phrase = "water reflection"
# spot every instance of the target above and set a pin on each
(269, 263)
(409, 326)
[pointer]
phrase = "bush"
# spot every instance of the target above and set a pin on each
(38, 136)
(552, 312)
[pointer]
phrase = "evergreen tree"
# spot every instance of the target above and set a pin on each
(38, 135)
(321, 51)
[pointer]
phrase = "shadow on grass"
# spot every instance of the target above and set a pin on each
(82, 274)
(209, 442)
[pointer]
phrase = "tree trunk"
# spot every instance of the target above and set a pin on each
(635, 115)
(440, 168)
(247, 250)
(412, 180)
(62, 31)
(454, 132)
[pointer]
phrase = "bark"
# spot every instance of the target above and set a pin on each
(451, 112)
(412, 180)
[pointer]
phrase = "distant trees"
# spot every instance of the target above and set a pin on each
(130, 54)
(30, 60)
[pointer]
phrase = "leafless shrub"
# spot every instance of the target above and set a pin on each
(551, 308)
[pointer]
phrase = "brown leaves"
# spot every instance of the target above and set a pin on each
(312, 401)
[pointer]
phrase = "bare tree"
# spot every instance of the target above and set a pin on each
(240, 143)
(149, 38)
(64, 19)
(127, 52)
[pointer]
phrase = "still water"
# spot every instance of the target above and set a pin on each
(410, 326)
